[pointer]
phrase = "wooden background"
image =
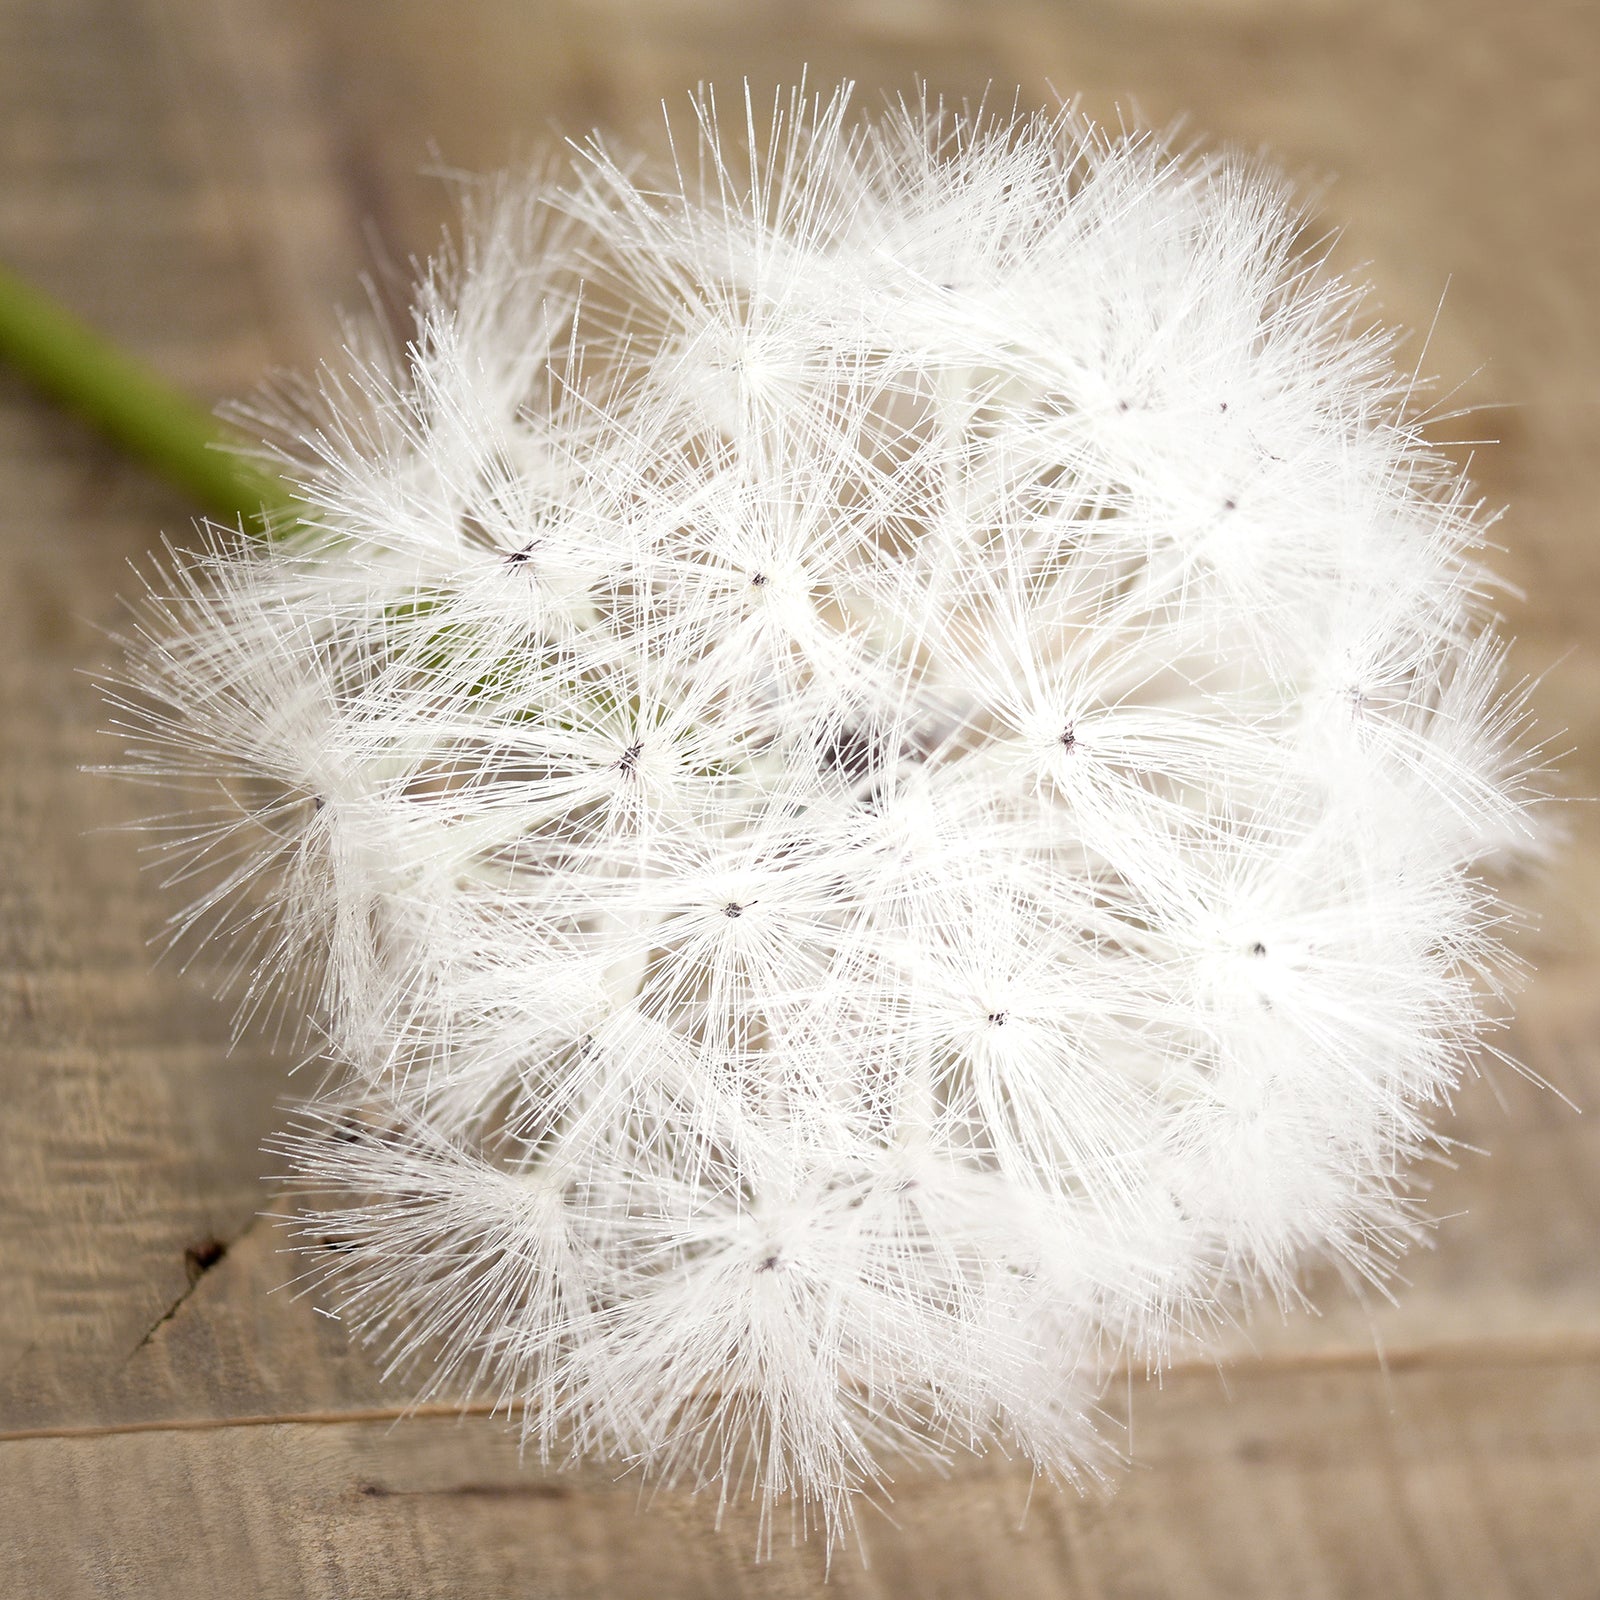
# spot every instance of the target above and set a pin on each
(205, 179)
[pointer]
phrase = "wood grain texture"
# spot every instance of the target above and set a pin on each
(206, 179)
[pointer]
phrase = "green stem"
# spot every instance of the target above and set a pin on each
(74, 365)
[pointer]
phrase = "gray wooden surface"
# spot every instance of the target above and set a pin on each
(206, 179)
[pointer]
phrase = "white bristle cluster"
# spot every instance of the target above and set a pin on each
(873, 757)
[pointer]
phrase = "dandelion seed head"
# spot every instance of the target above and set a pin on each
(874, 762)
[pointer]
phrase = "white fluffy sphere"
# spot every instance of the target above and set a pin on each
(883, 749)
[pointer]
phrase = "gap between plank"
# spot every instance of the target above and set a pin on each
(1571, 1349)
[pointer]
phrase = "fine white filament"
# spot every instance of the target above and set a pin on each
(872, 763)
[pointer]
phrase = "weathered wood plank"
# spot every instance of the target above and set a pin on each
(127, 1136)
(196, 174)
(1455, 1480)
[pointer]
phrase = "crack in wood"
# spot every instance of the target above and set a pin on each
(198, 1259)
(470, 1491)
